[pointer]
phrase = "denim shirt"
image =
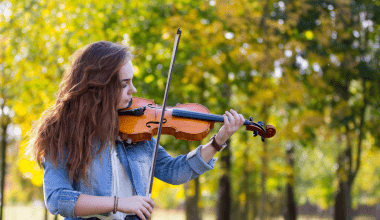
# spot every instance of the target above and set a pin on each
(60, 195)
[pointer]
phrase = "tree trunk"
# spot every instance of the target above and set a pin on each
(3, 163)
(291, 208)
(242, 208)
(5, 121)
(342, 209)
(246, 188)
(346, 172)
(224, 194)
(192, 198)
(255, 200)
(291, 211)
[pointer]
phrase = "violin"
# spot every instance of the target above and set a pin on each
(191, 122)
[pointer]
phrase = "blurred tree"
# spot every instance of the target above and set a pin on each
(291, 209)
(341, 37)
(7, 127)
(5, 122)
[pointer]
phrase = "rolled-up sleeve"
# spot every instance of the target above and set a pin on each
(59, 196)
(182, 168)
(197, 163)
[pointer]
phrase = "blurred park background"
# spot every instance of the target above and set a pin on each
(308, 67)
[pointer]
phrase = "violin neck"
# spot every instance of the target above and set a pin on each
(200, 116)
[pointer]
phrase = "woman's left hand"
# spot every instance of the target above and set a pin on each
(232, 122)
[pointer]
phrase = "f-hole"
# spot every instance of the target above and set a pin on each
(155, 122)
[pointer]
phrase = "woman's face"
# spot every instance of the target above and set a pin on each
(126, 76)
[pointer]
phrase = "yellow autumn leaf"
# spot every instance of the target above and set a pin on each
(309, 35)
(26, 166)
(149, 79)
(37, 178)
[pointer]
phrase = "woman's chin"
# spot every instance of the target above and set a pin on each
(124, 105)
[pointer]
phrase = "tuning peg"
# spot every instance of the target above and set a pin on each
(263, 138)
(255, 133)
(250, 119)
(260, 123)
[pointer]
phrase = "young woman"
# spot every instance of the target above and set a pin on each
(89, 172)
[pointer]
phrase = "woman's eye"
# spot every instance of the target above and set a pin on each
(124, 85)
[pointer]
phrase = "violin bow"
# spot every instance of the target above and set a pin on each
(151, 174)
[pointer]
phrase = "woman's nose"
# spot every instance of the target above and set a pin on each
(133, 89)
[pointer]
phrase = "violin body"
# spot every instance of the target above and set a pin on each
(140, 127)
(191, 122)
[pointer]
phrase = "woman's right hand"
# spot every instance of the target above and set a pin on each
(140, 205)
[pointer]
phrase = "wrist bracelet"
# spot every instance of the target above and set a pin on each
(115, 201)
(216, 145)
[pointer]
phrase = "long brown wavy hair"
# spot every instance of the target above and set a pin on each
(84, 111)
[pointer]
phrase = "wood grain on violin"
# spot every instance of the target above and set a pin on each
(190, 122)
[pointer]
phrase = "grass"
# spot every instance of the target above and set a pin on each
(36, 211)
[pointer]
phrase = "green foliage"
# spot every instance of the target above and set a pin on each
(305, 67)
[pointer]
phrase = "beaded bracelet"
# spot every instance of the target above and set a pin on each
(116, 200)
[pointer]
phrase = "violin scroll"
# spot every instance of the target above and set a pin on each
(258, 129)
